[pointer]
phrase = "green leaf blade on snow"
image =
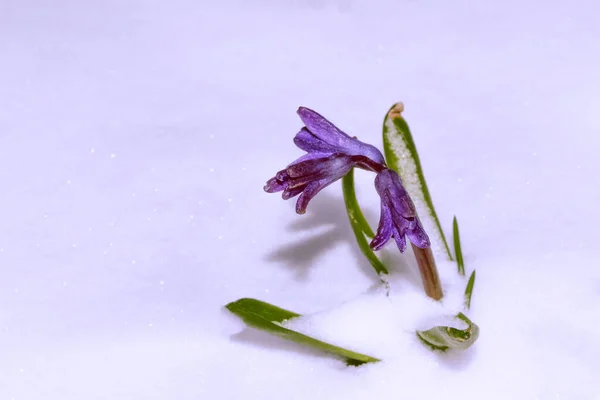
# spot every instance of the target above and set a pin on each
(457, 247)
(447, 337)
(359, 224)
(469, 290)
(268, 318)
(401, 155)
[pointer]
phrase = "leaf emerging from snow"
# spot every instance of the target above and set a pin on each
(401, 155)
(457, 248)
(469, 290)
(447, 337)
(268, 318)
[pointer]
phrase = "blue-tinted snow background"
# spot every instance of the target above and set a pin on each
(136, 136)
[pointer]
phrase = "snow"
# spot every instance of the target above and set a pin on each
(386, 317)
(136, 136)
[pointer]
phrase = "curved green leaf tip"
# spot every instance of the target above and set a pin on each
(255, 310)
(469, 290)
(447, 337)
(457, 248)
(268, 318)
(401, 154)
(360, 225)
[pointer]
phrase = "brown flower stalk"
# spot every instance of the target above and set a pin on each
(429, 273)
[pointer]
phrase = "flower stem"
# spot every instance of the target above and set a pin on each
(359, 224)
(429, 273)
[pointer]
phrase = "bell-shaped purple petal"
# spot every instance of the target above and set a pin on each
(418, 236)
(274, 184)
(321, 135)
(307, 176)
(398, 215)
(400, 239)
(311, 143)
(385, 230)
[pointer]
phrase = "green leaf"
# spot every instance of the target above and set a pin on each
(359, 224)
(469, 290)
(352, 208)
(447, 337)
(457, 248)
(268, 318)
(401, 155)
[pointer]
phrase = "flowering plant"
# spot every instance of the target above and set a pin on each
(331, 155)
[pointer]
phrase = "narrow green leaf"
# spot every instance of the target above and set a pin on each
(447, 337)
(401, 154)
(268, 318)
(469, 290)
(245, 307)
(353, 208)
(457, 248)
(359, 224)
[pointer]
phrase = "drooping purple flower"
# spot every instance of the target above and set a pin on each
(331, 154)
(320, 135)
(398, 215)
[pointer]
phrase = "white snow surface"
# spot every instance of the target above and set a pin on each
(136, 137)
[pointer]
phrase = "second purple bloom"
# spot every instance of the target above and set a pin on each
(398, 215)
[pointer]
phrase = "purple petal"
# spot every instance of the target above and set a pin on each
(383, 182)
(384, 230)
(276, 184)
(391, 191)
(311, 191)
(310, 143)
(309, 156)
(273, 186)
(322, 128)
(400, 240)
(400, 217)
(320, 167)
(282, 175)
(403, 204)
(308, 167)
(362, 149)
(337, 166)
(418, 236)
(290, 192)
(331, 135)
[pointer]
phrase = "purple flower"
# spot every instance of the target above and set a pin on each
(398, 214)
(331, 154)
(321, 136)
